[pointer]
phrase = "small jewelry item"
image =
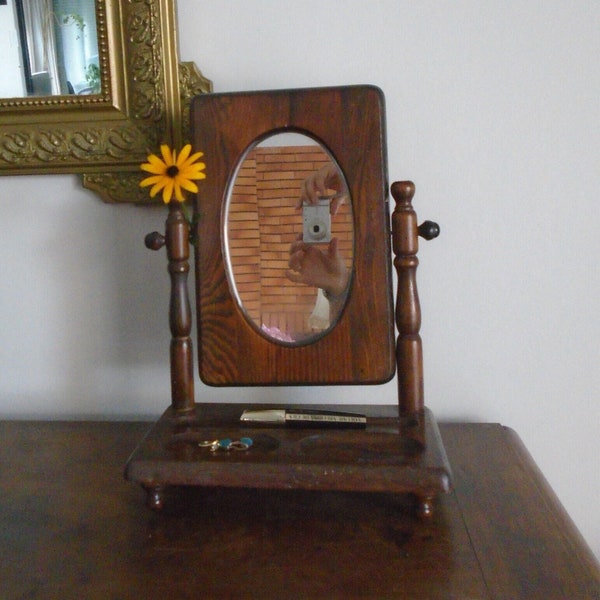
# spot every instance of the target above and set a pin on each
(227, 444)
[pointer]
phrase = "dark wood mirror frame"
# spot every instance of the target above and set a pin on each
(360, 347)
(399, 451)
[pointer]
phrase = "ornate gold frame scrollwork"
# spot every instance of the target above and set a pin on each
(144, 102)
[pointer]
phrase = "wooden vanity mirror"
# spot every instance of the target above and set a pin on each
(254, 317)
(262, 320)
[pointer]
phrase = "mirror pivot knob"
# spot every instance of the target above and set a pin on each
(154, 240)
(429, 230)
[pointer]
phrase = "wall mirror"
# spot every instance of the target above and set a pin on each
(288, 238)
(261, 320)
(97, 87)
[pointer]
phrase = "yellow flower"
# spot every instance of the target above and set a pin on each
(173, 173)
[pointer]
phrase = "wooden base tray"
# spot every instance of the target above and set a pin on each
(393, 454)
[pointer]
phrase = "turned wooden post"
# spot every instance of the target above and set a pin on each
(409, 350)
(176, 239)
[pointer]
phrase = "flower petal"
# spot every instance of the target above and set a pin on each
(188, 185)
(197, 176)
(156, 160)
(183, 155)
(178, 193)
(167, 155)
(193, 172)
(152, 168)
(168, 191)
(159, 185)
(191, 160)
(150, 180)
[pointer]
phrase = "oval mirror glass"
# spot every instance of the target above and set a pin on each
(289, 238)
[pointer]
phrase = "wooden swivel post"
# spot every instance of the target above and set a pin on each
(409, 351)
(176, 239)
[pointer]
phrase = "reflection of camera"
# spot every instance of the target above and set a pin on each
(317, 222)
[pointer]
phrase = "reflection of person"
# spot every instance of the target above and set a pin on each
(320, 184)
(309, 265)
(324, 269)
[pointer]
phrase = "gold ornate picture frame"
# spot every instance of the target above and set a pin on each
(104, 137)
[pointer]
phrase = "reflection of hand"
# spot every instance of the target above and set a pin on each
(324, 269)
(320, 184)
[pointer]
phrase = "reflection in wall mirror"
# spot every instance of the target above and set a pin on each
(289, 238)
(50, 48)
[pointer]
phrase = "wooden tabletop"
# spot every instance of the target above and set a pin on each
(72, 527)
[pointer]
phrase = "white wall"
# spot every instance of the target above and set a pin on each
(493, 110)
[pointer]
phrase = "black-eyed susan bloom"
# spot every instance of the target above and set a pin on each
(173, 173)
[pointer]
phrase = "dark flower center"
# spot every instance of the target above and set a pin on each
(172, 171)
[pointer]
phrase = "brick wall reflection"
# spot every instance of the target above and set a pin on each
(263, 222)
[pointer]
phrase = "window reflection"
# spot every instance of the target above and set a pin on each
(58, 47)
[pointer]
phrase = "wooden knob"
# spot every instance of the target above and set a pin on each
(403, 191)
(429, 230)
(154, 241)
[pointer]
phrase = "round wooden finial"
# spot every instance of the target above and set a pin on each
(403, 191)
(429, 230)
(154, 241)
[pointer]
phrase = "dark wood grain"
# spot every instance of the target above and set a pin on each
(391, 455)
(71, 527)
(349, 122)
(513, 515)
